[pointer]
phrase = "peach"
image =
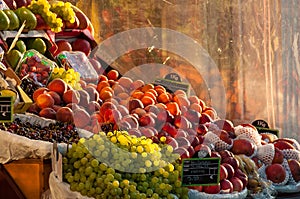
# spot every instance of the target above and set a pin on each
(58, 85)
(93, 93)
(146, 87)
(137, 84)
(196, 107)
(211, 112)
(44, 100)
(101, 85)
(56, 107)
(113, 74)
(126, 82)
(106, 106)
(146, 100)
(56, 97)
(134, 103)
(163, 98)
(39, 91)
(173, 108)
(34, 108)
(194, 99)
(81, 118)
(123, 110)
(72, 106)
(93, 106)
(71, 96)
(137, 94)
(150, 94)
(102, 78)
(112, 116)
(139, 111)
(181, 100)
(180, 92)
(48, 112)
(123, 96)
(84, 98)
(65, 114)
(105, 95)
(82, 83)
(118, 89)
(160, 89)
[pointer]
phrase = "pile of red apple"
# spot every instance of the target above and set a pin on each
(232, 178)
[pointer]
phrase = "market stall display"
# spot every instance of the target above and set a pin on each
(120, 137)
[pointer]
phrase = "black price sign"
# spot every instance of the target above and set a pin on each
(263, 127)
(6, 109)
(200, 171)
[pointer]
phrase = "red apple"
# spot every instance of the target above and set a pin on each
(63, 45)
(237, 184)
(282, 145)
(215, 154)
(225, 153)
(224, 136)
(243, 146)
(226, 186)
(81, 45)
(232, 161)
(295, 169)
(242, 176)
(276, 173)
(212, 189)
(182, 141)
(223, 172)
(278, 156)
(230, 170)
(225, 125)
(202, 129)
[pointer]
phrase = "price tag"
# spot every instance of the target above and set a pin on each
(172, 82)
(200, 171)
(6, 109)
(263, 127)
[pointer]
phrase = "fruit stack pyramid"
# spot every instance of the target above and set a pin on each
(136, 120)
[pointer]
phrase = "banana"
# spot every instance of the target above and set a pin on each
(241, 163)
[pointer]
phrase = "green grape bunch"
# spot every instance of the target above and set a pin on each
(93, 175)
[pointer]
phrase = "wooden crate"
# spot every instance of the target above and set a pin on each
(31, 176)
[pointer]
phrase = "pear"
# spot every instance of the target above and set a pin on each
(13, 58)
(4, 21)
(13, 19)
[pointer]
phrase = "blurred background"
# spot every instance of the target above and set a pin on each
(254, 43)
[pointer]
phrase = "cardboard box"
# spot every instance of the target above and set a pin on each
(31, 176)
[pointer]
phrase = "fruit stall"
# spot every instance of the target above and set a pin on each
(152, 99)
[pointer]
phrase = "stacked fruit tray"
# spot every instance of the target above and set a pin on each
(128, 137)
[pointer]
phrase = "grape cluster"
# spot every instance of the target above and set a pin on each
(43, 7)
(70, 76)
(56, 132)
(29, 86)
(64, 10)
(119, 165)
